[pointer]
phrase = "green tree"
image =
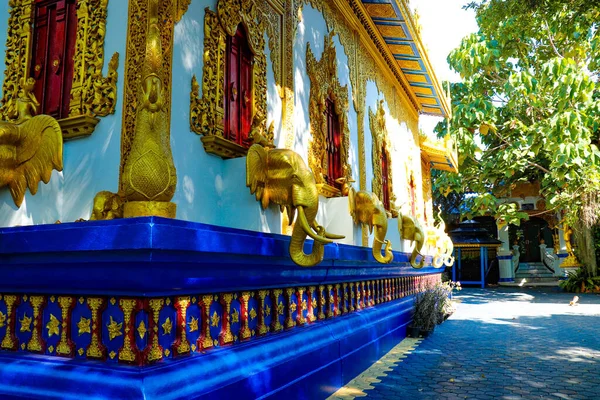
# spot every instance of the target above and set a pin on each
(528, 107)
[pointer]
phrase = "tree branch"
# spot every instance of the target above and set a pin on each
(552, 40)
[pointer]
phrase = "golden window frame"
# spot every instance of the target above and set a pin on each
(207, 113)
(379, 137)
(324, 84)
(92, 94)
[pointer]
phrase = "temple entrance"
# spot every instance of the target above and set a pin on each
(529, 236)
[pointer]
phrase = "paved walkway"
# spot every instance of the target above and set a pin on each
(501, 343)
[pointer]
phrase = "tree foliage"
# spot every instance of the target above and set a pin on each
(528, 107)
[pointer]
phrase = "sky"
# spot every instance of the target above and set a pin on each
(443, 24)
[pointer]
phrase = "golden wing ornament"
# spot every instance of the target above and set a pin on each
(28, 153)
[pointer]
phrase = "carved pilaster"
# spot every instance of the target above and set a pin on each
(226, 337)
(154, 351)
(261, 327)
(245, 331)
(129, 353)
(36, 344)
(96, 349)
(65, 346)
(205, 341)
(10, 341)
(278, 309)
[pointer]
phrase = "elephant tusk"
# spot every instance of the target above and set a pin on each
(304, 224)
(333, 235)
(326, 234)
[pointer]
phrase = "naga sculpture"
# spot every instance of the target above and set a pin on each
(30, 147)
(281, 176)
(410, 229)
(149, 175)
(366, 208)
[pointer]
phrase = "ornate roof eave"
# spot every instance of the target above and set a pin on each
(390, 22)
(441, 154)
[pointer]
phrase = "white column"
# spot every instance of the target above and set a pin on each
(504, 256)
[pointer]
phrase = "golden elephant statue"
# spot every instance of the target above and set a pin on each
(107, 205)
(410, 229)
(366, 208)
(30, 147)
(281, 176)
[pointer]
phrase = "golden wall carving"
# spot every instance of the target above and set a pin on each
(380, 140)
(92, 94)
(149, 177)
(30, 146)
(137, 36)
(325, 84)
(207, 113)
(427, 193)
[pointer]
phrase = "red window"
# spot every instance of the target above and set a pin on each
(385, 179)
(54, 35)
(413, 196)
(334, 161)
(238, 89)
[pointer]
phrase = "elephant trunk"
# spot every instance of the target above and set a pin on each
(379, 241)
(413, 259)
(299, 235)
(419, 242)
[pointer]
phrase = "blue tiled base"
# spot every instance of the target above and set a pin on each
(307, 362)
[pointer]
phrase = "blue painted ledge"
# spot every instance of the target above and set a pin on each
(153, 256)
(306, 363)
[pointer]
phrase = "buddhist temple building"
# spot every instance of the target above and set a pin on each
(212, 198)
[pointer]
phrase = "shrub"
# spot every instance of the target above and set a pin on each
(581, 281)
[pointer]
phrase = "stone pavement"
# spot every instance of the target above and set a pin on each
(504, 343)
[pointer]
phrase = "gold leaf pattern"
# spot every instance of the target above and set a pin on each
(53, 326)
(193, 324)
(214, 320)
(114, 329)
(2, 319)
(84, 325)
(167, 326)
(267, 310)
(252, 314)
(142, 329)
(25, 323)
(235, 316)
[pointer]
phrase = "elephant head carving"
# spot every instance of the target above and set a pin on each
(107, 205)
(410, 229)
(367, 209)
(281, 176)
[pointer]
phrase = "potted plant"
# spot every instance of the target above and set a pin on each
(432, 307)
(444, 299)
(425, 315)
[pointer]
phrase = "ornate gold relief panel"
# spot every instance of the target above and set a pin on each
(92, 94)
(137, 36)
(324, 84)
(381, 143)
(427, 195)
(207, 114)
